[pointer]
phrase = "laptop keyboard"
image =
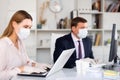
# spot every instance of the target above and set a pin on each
(41, 74)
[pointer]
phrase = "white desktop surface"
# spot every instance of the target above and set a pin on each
(66, 74)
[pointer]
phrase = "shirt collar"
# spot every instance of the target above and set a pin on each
(74, 38)
(8, 40)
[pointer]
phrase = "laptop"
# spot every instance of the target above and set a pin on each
(63, 58)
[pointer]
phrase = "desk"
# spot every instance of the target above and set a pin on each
(66, 74)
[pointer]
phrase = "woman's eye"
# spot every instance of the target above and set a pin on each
(26, 27)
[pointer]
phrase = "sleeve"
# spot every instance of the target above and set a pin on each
(6, 74)
(30, 62)
(91, 52)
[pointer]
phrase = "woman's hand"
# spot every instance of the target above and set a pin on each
(30, 69)
(43, 66)
(21, 68)
(33, 69)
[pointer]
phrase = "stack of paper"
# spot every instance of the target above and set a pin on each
(111, 74)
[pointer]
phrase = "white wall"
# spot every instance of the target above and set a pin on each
(3, 14)
(5, 6)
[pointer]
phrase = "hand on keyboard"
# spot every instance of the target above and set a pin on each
(43, 66)
(91, 61)
(95, 63)
(30, 69)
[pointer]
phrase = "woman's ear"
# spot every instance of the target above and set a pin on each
(14, 24)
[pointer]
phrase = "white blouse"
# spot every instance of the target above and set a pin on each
(11, 58)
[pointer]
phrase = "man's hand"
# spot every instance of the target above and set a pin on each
(92, 61)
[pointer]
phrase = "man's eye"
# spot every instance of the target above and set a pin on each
(29, 27)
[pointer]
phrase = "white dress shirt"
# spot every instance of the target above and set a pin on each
(11, 58)
(75, 40)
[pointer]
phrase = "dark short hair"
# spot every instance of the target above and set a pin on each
(76, 20)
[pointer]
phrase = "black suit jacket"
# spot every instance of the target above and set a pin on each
(66, 42)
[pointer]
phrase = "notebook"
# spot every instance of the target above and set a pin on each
(63, 58)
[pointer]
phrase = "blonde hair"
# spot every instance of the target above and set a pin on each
(18, 17)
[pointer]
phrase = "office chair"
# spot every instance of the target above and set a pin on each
(54, 36)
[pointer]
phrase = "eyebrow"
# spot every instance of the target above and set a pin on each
(83, 27)
(27, 26)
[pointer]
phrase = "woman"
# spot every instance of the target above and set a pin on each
(13, 57)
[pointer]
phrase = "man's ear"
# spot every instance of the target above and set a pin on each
(73, 28)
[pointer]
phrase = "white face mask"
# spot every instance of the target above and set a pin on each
(82, 33)
(23, 33)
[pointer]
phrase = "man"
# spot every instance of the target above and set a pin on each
(76, 39)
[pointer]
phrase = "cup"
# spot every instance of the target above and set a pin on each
(78, 66)
(82, 67)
